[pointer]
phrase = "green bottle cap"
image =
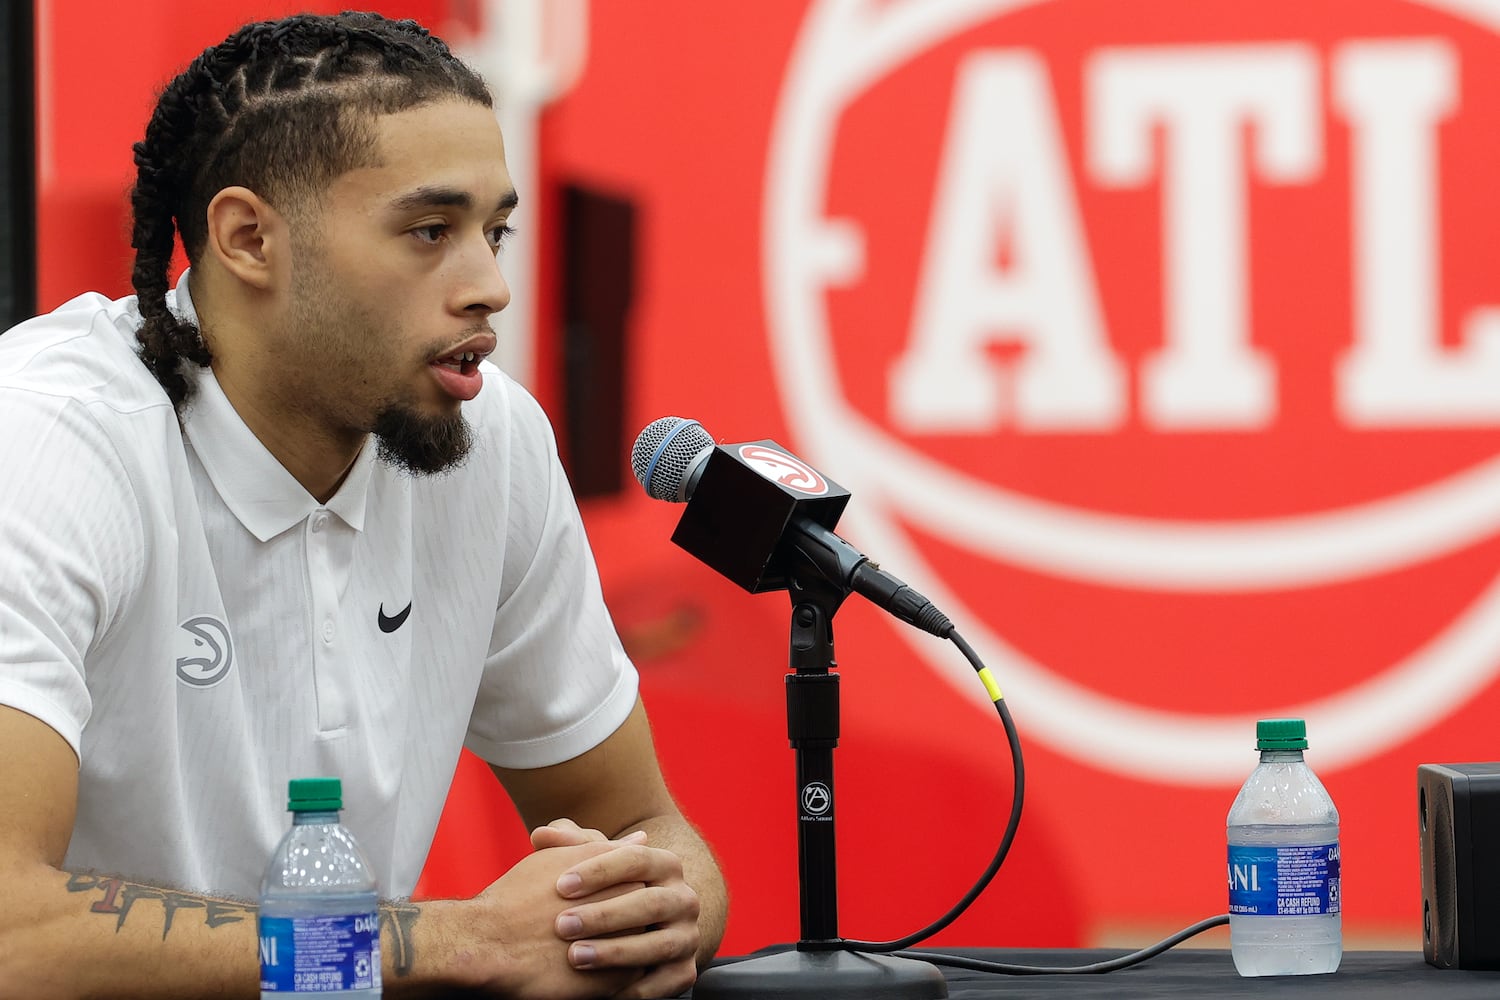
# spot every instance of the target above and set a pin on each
(1281, 734)
(315, 795)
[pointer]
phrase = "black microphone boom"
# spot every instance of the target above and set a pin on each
(758, 514)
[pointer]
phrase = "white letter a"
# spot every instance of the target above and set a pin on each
(1003, 181)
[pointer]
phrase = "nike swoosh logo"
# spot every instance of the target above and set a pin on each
(391, 624)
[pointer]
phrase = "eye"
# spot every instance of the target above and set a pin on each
(498, 235)
(431, 234)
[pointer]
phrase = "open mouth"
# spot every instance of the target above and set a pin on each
(464, 362)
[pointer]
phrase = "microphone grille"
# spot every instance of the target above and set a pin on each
(663, 452)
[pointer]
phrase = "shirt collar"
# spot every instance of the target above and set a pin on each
(254, 485)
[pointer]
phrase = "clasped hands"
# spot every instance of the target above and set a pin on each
(623, 921)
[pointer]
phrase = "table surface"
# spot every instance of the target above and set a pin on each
(1185, 972)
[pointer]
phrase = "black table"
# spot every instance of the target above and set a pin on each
(1368, 975)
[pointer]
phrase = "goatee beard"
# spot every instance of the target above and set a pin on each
(421, 445)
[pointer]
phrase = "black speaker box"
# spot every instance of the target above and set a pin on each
(1459, 816)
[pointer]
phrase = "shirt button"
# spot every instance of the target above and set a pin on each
(319, 519)
(328, 631)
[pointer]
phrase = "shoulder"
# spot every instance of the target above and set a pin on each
(83, 351)
(81, 410)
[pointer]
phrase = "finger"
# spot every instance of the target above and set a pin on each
(570, 925)
(666, 981)
(566, 833)
(647, 906)
(659, 947)
(563, 833)
(545, 837)
(627, 863)
(566, 857)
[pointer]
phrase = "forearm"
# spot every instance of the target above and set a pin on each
(410, 945)
(421, 955)
(76, 935)
(700, 870)
(73, 935)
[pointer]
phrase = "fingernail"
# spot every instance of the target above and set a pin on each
(570, 883)
(582, 956)
(569, 925)
(635, 837)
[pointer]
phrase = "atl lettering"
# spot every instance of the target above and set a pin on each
(1224, 119)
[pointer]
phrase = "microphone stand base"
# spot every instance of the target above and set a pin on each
(822, 975)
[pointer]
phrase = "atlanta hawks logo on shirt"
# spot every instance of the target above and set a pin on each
(209, 651)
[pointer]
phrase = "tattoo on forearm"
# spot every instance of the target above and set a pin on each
(118, 897)
(396, 921)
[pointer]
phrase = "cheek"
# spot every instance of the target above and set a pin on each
(389, 297)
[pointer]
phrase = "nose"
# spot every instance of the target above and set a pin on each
(482, 289)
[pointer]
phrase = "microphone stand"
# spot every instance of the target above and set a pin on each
(818, 969)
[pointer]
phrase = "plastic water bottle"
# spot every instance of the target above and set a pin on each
(319, 918)
(1284, 862)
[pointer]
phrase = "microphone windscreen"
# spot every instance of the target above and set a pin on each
(664, 452)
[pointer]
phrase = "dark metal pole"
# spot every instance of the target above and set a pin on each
(818, 969)
(812, 713)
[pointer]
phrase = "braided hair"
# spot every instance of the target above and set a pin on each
(282, 108)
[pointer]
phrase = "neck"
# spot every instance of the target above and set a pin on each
(317, 457)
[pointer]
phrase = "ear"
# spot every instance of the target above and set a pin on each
(247, 237)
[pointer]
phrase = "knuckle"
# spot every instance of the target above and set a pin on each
(676, 978)
(677, 906)
(639, 867)
(668, 864)
(665, 948)
(658, 908)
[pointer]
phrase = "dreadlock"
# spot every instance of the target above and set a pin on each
(282, 108)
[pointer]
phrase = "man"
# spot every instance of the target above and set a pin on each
(300, 540)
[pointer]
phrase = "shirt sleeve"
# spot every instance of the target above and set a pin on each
(71, 533)
(557, 681)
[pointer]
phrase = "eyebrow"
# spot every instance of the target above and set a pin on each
(432, 195)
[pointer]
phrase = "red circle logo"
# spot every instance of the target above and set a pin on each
(1193, 362)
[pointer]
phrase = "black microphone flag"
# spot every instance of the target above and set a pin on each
(758, 515)
(742, 499)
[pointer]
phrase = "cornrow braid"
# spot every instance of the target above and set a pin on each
(279, 107)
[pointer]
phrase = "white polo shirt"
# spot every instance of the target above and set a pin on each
(200, 630)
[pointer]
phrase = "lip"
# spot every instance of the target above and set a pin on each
(464, 381)
(481, 344)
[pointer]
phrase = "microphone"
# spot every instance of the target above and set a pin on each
(758, 514)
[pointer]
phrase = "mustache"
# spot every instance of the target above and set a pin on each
(443, 350)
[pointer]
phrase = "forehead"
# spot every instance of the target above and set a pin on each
(450, 144)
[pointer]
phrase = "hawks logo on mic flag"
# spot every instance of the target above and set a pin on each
(779, 467)
(1189, 406)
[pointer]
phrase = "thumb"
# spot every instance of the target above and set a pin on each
(563, 833)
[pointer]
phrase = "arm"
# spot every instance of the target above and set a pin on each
(554, 672)
(69, 935)
(617, 788)
(77, 935)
